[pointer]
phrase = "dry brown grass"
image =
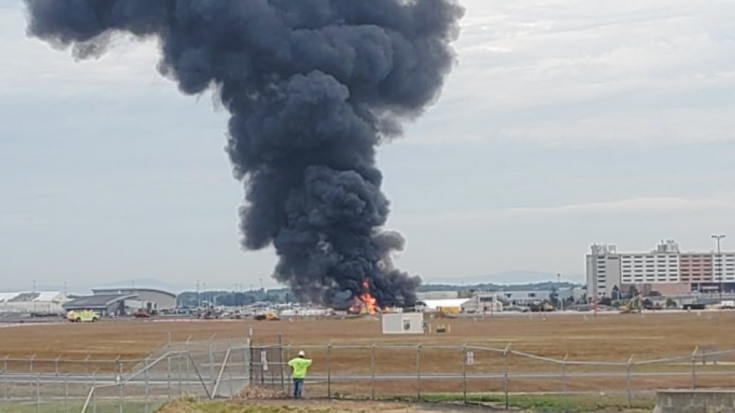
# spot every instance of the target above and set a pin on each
(581, 337)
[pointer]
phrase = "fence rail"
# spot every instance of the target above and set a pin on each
(221, 370)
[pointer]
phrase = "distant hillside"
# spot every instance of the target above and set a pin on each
(517, 277)
(542, 286)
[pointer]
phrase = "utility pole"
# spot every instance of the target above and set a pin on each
(718, 238)
(34, 296)
(199, 299)
(558, 291)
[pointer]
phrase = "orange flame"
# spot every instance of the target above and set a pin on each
(365, 302)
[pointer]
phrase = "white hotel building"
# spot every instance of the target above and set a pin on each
(665, 269)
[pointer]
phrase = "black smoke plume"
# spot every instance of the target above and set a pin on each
(312, 86)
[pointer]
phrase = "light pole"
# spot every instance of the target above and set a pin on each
(558, 291)
(718, 238)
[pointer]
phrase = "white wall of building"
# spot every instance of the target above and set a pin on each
(644, 268)
(28, 302)
(405, 323)
(665, 267)
(522, 297)
(723, 267)
(603, 274)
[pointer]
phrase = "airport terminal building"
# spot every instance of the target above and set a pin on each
(39, 302)
(159, 299)
(122, 301)
(665, 269)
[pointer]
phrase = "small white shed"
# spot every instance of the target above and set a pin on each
(403, 323)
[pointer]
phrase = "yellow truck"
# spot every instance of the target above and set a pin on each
(85, 316)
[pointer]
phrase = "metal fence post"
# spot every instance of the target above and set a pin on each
(38, 392)
(694, 368)
(181, 378)
(146, 384)
(329, 370)
(627, 382)
(464, 373)
(506, 353)
(288, 357)
(4, 389)
(168, 365)
(372, 372)
(56, 365)
(31, 363)
(229, 375)
(246, 364)
(251, 362)
(280, 361)
(94, 393)
(564, 374)
(3, 384)
(66, 394)
(187, 359)
(418, 372)
(212, 378)
(120, 385)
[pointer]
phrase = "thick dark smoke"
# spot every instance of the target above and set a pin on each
(313, 86)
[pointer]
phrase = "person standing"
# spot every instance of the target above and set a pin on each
(299, 367)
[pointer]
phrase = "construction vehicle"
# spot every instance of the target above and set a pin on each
(85, 316)
(208, 314)
(267, 317)
(449, 310)
(634, 306)
(543, 307)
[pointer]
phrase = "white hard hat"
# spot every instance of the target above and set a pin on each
(301, 353)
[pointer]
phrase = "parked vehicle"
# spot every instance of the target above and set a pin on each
(84, 316)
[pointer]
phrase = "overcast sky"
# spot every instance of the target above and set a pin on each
(565, 123)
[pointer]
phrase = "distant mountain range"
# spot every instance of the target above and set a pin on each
(506, 278)
(503, 279)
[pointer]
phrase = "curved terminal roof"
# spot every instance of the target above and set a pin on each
(129, 290)
(97, 301)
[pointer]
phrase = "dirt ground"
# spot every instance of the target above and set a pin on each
(342, 406)
(578, 336)
(290, 406)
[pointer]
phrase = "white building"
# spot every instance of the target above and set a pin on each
(437, 295)
(525, 297)
(153, 299)
(665, 269)
(47, 302)
(483, 302)
(448, 303)
(572, 293)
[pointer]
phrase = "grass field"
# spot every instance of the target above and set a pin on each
(578, 336)
(540, 404)
(432, 403)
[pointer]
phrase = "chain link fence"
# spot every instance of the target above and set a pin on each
(223, 368)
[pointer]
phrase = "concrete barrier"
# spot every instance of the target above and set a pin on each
(699, 401)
